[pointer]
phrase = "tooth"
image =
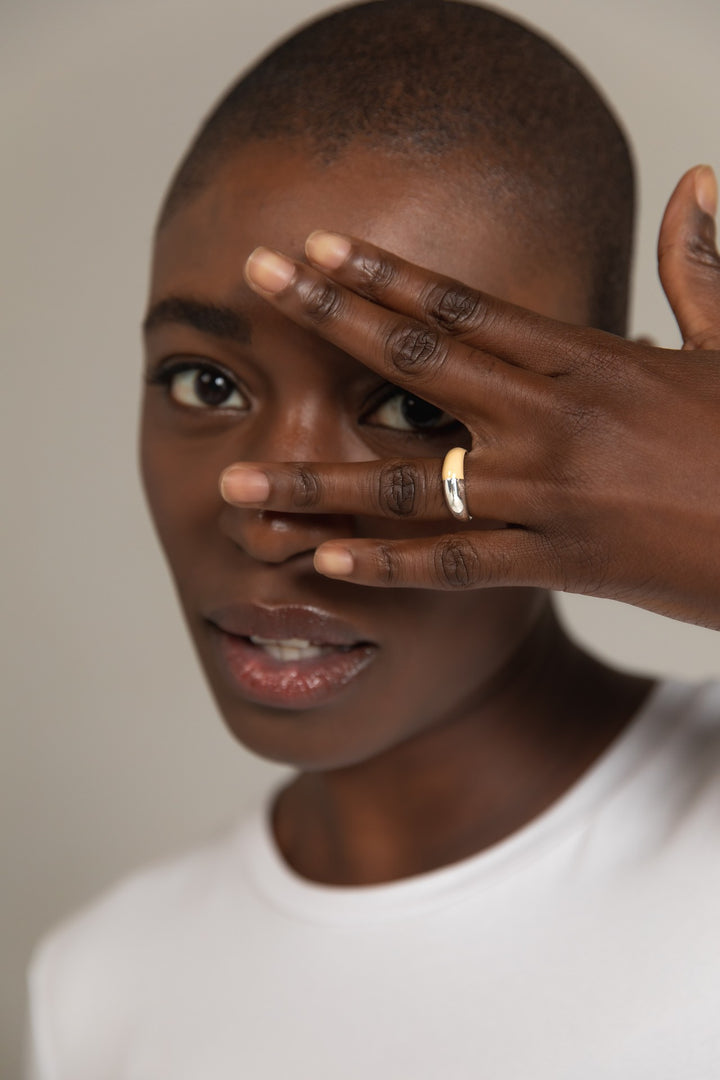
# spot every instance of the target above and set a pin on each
(286, 653)
(296, 643)
(287, 649)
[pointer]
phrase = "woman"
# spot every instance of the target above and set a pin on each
(495, 855)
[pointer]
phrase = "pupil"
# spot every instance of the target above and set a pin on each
(212, 388)
(419, 413)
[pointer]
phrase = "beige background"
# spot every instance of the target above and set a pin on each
(112, 752)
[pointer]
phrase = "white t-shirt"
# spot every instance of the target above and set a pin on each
(584, 947)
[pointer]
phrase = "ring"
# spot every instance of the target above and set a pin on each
(453, 480)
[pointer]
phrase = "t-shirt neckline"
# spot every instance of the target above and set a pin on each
(316, 902)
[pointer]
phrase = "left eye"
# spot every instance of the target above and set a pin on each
(405, 412)
(203, 387)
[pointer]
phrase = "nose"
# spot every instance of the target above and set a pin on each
(296, 432)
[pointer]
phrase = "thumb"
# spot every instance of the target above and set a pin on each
(688, 259)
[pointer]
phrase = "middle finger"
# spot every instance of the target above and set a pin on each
(461, 379)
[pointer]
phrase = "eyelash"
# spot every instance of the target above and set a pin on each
(166, 374)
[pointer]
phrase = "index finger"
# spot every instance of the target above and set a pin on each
(465, 381)
(514, 334)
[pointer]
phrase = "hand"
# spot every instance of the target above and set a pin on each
(601, 454)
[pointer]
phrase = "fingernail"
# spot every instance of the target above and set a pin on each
(268, 270)
(706, 190)
(327, 249)
(244, 485)
(334, 561)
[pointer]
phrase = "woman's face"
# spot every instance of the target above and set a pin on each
(315, 672)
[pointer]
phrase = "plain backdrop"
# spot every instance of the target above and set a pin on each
(112, 751)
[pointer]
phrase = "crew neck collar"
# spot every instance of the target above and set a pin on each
(629, 752)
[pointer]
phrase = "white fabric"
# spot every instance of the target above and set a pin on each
(584, 947)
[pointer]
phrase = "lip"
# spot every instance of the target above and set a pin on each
(291, 684)
(284, 621)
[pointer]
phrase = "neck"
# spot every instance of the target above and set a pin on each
(470, 781)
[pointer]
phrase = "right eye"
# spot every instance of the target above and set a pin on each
(202, 386)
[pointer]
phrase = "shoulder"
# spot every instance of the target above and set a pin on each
(692, 756)
(85, 975)
(660, 812)
(676, 741)
(687, 717)
(136, 908)
(683, 712)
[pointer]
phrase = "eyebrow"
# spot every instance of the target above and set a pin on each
(214, 319)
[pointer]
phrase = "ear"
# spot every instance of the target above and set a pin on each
(688, 259)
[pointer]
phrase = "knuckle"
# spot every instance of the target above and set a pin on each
(307, 488)
(456, 563)
(322, 301)
(701, 250)
(386, 563)
(560, 479)
(704, 336)
(597, 361)
(568, 407)
(398, 489)
(413, 349)
(576, 416)
(580, 563)
(555, 558)
(455, 309)
(373, 275)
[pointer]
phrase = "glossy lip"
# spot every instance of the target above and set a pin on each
(293, 684)
(284, 621)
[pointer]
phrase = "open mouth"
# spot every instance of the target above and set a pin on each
(288, 657)
(293, 649)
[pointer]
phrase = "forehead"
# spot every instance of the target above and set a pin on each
(442, 215)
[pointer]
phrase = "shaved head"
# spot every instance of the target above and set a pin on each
(444, 85)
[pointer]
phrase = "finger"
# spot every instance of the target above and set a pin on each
(461, 560)
(688, 258)
(462, 380)
(392, 488)
(519, 337)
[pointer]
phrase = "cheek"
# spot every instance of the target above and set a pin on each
(444, 651)
(180, 478)
(439, 650)
(440, 654)
(454, 643)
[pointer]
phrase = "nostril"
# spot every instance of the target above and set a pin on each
(274, 536)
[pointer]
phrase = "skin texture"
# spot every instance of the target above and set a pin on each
(476, 711)
(603, 453)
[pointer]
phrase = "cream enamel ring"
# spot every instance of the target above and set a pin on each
(453, 481)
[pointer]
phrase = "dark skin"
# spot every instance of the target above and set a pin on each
(476, 712)
(603, 453)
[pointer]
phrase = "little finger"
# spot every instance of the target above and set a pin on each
(460, 560)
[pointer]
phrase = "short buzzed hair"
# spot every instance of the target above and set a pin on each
(428, 79)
